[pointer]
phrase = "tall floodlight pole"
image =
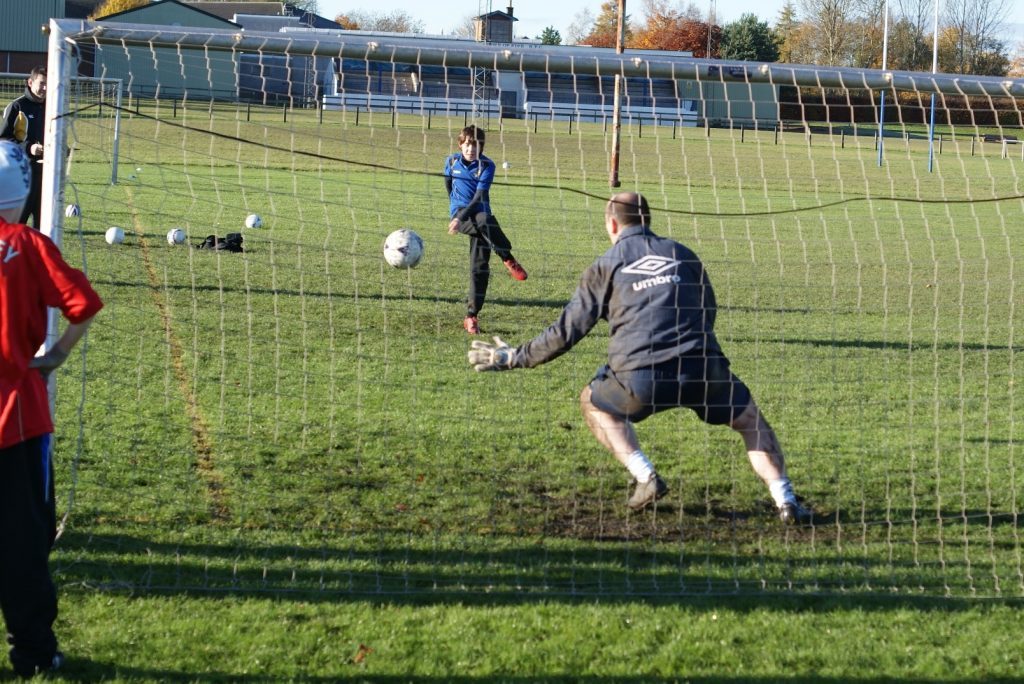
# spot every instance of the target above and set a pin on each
(885, 61)
(711, 21)
(935, 69)
(620, 39)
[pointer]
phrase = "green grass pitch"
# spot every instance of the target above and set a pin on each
(283, 468)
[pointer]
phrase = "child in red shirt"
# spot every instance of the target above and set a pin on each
(33, 276)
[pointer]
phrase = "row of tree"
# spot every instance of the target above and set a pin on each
(823, 32)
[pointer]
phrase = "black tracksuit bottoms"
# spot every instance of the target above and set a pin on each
(34, 201)
(28, 597)
(484, 233)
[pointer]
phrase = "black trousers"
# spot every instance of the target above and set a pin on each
(34, 202)
(485, 234)
(28, 597)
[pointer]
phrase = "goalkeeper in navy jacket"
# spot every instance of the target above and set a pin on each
(33, 276)
(663, 354)
(468, 175)
(24, 122)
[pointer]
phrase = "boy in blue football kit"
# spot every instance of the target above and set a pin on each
(660, 307)
(468, 175)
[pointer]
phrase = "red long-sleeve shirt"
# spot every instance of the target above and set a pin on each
(33, 276)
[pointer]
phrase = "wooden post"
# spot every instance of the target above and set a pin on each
(620, 44)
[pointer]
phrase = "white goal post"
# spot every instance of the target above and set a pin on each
(299, 416)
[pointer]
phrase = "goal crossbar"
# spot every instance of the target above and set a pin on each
(584, 61)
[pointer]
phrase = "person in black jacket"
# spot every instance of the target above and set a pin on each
(24, 122)
(663, 353)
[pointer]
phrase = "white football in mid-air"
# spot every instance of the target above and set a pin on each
(253, 221)
(506, 165)
(403, 248)
(114, 235)
(175, 236)
(72, 210)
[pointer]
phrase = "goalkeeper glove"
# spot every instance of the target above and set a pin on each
(491, 357)
(21, 127)
(49, 362)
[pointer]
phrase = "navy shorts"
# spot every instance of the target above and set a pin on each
(703, 384)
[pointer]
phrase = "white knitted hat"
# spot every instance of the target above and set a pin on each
(15, 175)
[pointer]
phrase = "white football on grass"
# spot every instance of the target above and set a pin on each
(114, 235)
(175, 236)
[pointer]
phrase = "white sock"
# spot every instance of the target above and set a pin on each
(782, 491)
(639, 467)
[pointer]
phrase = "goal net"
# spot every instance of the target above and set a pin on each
(301, 417)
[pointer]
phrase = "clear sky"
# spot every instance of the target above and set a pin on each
(442, 16)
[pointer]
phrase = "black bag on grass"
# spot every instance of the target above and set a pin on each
(232, 242)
